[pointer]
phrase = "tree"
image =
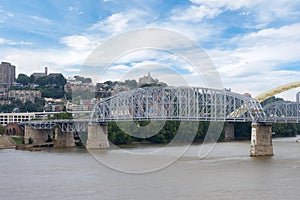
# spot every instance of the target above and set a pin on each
(23, 79)
(62, 115)
(78, 78)
(29, 107)
(87, 80)
(31, 79)
(2, 130)
(108, 83)
(52, 80)
(132, 84)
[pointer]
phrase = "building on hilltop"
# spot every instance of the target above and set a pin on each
(7, 74)
(24, 95)
(37, 75)
(82, 105)
(147, 80)
(72, 85)
(55, 74)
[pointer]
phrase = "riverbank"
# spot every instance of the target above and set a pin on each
(6, 142)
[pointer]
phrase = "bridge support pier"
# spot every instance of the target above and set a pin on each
(63, 139)
(229, 132)
(97, 137)
(37, 136)
(261, 140)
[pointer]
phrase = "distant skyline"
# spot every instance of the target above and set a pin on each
(255, 45)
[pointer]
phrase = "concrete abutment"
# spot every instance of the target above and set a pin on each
(229, 132)
(97, 136)
(63, 139)
(37, 136)
(261, 140)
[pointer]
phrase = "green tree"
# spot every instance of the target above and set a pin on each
(7, 108)
(31, 79)
(23, 79)
(29, 107)
(68, 95)
(87, 80)
(52, 93)
(62, 115)
(285, 130)
(132, 84)
(78, 78)
(242, 130)
(53, 81)
(117, 136)
(2, 130)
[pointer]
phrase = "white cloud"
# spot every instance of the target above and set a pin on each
(10, 42)
(120, 22)
(71, 8)
(41, 19)
(250, 62)
(202, 9)
(2, 41)
(10, 14)
(161, 71)
(4, 15)
(74, 9)
(228, 4)
(80, 42)
(268, 47)
(263, 11)
(195, 13)
(258, 63)
(28, 60)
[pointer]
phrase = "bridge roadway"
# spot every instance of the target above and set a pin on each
(179, 103)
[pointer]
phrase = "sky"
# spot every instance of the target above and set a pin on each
(253, 44)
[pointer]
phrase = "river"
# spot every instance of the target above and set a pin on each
(227, 173)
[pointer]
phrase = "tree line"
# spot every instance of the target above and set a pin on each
(19, 106)
(242, 131)
(51, 86)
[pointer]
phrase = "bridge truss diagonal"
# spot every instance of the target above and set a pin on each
(64, 125)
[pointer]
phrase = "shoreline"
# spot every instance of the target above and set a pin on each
(6, 142)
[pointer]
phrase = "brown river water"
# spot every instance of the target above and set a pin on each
(227, 173)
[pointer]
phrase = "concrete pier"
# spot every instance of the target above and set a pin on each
(261, 140)
(37, 135)
(229, 132)
(97, 136)
(63, 139)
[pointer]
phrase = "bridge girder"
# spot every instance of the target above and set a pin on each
(64, 125)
